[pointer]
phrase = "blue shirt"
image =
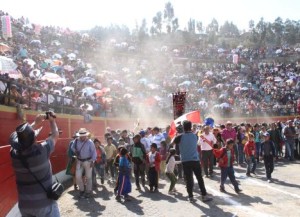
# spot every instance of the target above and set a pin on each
(187, 143)
(84, 149)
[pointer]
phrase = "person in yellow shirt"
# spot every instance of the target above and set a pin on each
(111, 152)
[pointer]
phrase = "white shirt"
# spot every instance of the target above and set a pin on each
(171, 165)
(204, 145)
(146, 142)
(157, 139)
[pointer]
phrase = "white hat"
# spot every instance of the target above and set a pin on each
(82, 132)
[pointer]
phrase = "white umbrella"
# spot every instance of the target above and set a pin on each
(68, 88)
(35, 73)
(278, 51)
(15, 74)
(87, 106)
(88, 91)
(71, 56)
(49, 76)
(131, 48)
(142, 81)
(225, 105)
(7, 64)
(56, 56)
(221, 50)
(278, 79)
(185, 83)
(209, 73)
(125, 69)
(29, 62)
(176, 51)
(127, 95)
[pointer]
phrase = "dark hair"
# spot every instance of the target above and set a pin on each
(164, 144)
(123, 152)
(153, 145)
(137, 136)
(109, 137)
(229, 141)
(97, 140)
(156, 129)
(187, 125)
(172, 152)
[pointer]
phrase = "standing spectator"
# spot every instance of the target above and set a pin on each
(268, 153)
(171, 163)
(250, 154)
(187, 144)
(226, 159)
(289, 133)
(157, 137)
(33, 200)
(257, 140)
(145, 141)
(100, 162)
(154, 167)
(230, 133)
(207, 141)
(111, 152)
(124, 176)
(241, 141)
(86, 154)
(275, 138)
(139, 159)
(163, 153)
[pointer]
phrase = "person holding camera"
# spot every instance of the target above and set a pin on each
(30, 161)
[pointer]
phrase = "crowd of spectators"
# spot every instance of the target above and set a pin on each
(59, 67)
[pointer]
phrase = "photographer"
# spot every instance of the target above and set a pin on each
(30, 161)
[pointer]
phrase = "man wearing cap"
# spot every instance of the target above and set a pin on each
(86, 154)
(268, 153)
(31, 159)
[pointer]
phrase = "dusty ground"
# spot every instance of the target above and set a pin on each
(258, 198)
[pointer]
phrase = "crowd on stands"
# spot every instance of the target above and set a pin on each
(50, 67)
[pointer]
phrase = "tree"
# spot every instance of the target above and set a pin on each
(278, 28)
(191, 26)
(157, 23)
(200, 27)
(170, 19)
(229, 29)
(212, 30)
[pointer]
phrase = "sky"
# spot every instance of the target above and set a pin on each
(82, 15)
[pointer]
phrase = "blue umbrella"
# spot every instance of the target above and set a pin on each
(89, 91)
(86, 80)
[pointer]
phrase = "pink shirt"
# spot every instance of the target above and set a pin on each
(226, 134)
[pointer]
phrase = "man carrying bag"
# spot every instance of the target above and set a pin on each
(30, 160)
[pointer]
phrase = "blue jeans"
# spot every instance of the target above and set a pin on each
(258, 150)
(240, 153)
(228, 172)
(251, 164)
(290, 148)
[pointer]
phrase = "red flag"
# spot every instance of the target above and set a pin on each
(193, 117)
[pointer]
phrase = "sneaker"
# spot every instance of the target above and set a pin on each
(156, 190)
(192, 200)
(253, 173)
(248, 174)
(206, 198)
(269, 180)
(118, 198)
(222, 189)
(138, 188)
(237, 190)
(81, 194)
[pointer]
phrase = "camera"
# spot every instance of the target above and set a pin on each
(49, 114)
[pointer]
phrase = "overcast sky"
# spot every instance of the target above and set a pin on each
(79, 15)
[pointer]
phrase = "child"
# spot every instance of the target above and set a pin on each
(250, 154)
(163, 155)
(124, 187)
(154, 167)
(99, 163)
(116, 164)
(226, 158)
(268, 152)
(170, 170)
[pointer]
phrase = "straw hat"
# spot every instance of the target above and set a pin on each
(82, 132)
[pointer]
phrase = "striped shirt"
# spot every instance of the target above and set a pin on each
(31, 195)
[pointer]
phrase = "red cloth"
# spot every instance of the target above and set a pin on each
(221, 154)
(193, 116)
(249, 148)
